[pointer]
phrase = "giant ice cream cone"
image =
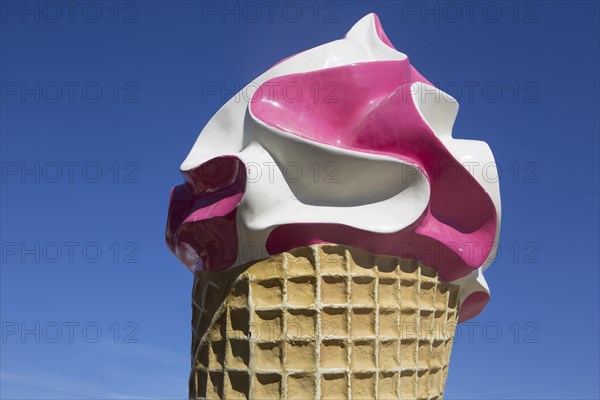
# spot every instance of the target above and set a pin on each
(319, 322)
(335, 233)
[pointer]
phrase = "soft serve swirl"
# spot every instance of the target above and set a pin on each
(345, 143)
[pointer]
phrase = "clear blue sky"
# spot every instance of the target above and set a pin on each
(120, 101)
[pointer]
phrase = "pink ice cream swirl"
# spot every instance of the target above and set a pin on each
(345, 143)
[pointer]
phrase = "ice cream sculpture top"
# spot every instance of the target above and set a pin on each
(344, 143)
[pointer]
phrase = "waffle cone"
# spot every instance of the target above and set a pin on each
(322, 322)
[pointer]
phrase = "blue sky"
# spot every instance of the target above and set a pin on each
(101, 102)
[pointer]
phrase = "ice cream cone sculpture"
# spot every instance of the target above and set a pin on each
(336, 230)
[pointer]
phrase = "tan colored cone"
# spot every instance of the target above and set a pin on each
(322, 322)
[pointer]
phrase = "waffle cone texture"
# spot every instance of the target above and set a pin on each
(322, 322)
